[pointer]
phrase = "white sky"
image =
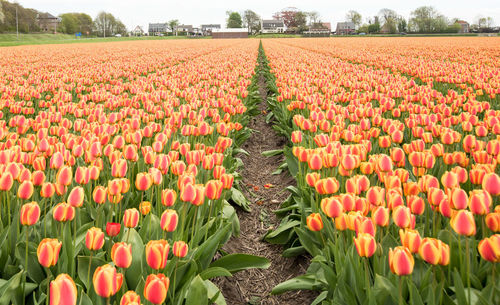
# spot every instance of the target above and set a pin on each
(197, 12)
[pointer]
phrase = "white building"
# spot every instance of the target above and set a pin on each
(272, 26)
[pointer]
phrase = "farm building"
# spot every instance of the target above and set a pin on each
(207, 29)
(229, 33)
(464, 26)
(138, 31)
(345, 28)
(158, 28)
(47, 22)
(272, 26)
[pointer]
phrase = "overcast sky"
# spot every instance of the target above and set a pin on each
(196, 12)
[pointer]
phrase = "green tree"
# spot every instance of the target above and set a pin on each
(234, 20)
(2, 16)
(251, 21)
(84, 23)
(402, 24)
(389, 18)
(354, 17)
(69, 23)
(374, 27)
(105, 24)
(172, 25)
(301, 21)
(427, 19)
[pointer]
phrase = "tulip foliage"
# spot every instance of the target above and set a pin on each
(395, 146)
(118, 170)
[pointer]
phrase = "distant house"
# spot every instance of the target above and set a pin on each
(137, 31)
(464, 26)
(345, 28)
(229, 33)
(158, 28)
(47, 22)
(321, 27)
(188, 28)
(207, 29)
(272, 26)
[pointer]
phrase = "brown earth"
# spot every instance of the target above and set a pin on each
(254, 286)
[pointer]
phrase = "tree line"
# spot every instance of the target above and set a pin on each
(105, 24)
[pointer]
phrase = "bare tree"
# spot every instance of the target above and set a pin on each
(354, 17)
(251, 21)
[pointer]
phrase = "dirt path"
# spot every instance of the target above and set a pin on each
(254, 286)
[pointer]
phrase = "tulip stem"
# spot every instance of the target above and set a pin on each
(88, 270)
(467, 258)
(367, 276)
(128, 234)
(173, 282)
(211, 203)
(108, 301)
(26, 264)
(48, 286)
(400, 290)
(194, 224)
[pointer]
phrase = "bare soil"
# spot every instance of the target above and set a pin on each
(254, 286)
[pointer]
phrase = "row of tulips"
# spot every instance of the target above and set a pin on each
(116, 180)
(397, 188)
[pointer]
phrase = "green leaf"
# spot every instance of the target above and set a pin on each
(197, 293)
(383, 288)
(415, 298)
(134, 273)
(306, 239)
(229, 213)
(320, 298)
(303, 282)
(83, 268)
(282, 234)
(212, 272)
(459, 288)
(294, 251)
(35, 271)
(8, 288)
(214, 293)
(237, 262)
(238, 198)
(270, 153)
(206, 251)
(84, 299)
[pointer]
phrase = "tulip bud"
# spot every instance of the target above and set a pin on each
(168, 197)
(25, 190)
(76, 196)
(364, 225)
(6, 181)
(64, 176)
(145, 207)
(463, 223)
(143, 181)
(130, 298)
(331, 207)
(29, 214)
(365, 244)
(180, 248)
(314, 222)
(416, 204)
(107, 281)
(458, 198)
(315, 162)
(156, 287)
(63, 291)
(227, 181)
(489, 248)
(130, 218)
(63, 212)
(169, 220)
(48, 252)
(188, 193)
(410, 239)
(94, 240)
(121, 254)
(113, 229)
(480, 202)
(341, 222)
(401, 261)
(157, 253)
(402, 217)
(213, 189)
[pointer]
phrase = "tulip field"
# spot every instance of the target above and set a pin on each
(394, 145)
(120, 183)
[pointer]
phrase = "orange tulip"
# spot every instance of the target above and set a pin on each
(143, 181)
(463, 223)
(227, 181)
(458, 198)
(491, 184)
(63, 212)
(94, 240)
(76, 197)
(410, 239)
(168, 197)
(489, 248)
(380, 216)
(107, 281)
(131, 218)
(480, 202)
(434, 251)
(402, 217)
(188, 193)
(121, 254)
(180, 249)
(63, 291)
(29, 214)
(130, 298)
(493, 221)
(113, 229)
(145, 207)
(157, 253)
(6, 181)
(314, 222)
(48, 252)
(331, 207)
(401, 261)
(156, 287)
(365, 244)
(99, 194)
(315, 162)
(213, 189)
(169, 220)
(25, 190)
(64, 176)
